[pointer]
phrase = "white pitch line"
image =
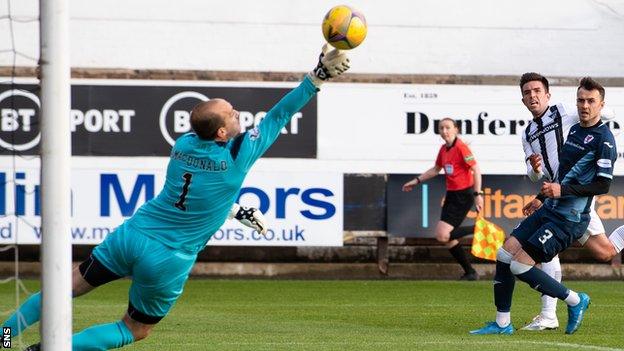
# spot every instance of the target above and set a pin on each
(576, 346)
(563, 345)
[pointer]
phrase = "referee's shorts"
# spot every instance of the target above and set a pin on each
(457, 203)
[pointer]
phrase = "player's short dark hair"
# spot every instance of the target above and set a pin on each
(532, 76)
(588, 83)
(205, 124)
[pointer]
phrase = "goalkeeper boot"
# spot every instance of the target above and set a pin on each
(493, 328)
(35, 347)
(576, 313)
(542, 323)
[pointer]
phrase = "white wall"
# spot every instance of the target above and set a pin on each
(478, 37)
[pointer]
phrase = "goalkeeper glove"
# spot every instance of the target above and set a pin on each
(331, 64)
(250, 217)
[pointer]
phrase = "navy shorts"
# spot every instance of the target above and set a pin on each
(544, 234)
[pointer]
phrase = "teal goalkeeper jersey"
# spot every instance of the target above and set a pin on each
(204, 178)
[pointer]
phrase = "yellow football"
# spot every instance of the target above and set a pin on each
(344, 27)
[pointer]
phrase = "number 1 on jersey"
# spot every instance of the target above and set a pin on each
(187, 181)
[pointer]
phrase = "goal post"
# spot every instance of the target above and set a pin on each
(56, 249)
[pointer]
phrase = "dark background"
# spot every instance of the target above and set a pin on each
(146, 139)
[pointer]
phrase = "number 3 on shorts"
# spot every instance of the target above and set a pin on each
(544, 238)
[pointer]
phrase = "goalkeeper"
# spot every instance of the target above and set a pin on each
(158, 245)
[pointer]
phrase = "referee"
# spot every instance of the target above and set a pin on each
(463, 189)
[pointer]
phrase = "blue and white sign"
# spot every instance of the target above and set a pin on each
(302, 209)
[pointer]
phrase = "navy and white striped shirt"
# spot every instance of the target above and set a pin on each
(545, 136)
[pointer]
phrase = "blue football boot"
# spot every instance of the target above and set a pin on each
(493, 328)
(576, 313)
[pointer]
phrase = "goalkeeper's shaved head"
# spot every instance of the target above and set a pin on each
(207, 117)
(215, 119)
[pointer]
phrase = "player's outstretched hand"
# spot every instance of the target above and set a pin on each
(250, 217)
(531, 207)
(330, 64)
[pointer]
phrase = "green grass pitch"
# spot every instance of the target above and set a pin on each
(348, 315)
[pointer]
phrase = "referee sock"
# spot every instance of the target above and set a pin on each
(26, 315)
(460, 256)
(460, 232)
(103, 337)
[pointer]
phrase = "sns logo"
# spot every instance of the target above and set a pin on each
(6, 337)
(312, 203)
(19, 120)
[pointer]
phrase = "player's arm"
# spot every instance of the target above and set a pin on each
(533, 161)
(554, 190)
(428, 174)
(249, 146)
(470, 160)
(598, 187)
(478, 194)
(607, 154)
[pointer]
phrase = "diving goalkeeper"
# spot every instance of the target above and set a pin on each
(158, 245)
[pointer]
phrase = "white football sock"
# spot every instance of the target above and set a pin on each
(573, 299)
(549, 304)
(617, 238)
(503, 318)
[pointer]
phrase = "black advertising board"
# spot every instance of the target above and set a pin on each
(415, 213)
(144, 120)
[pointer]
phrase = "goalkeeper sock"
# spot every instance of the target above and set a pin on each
(103, 337)
(460, 232)
(460, 256)
(26, 315)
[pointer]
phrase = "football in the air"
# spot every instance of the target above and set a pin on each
(344, 27)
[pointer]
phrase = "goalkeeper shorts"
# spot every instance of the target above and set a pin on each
(158, 272)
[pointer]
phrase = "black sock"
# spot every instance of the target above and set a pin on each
(460, 256)
(460, 232)
(504, 285)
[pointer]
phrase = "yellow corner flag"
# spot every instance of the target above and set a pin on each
(488, 237)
